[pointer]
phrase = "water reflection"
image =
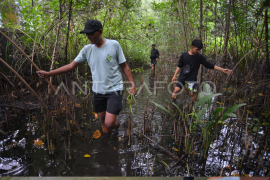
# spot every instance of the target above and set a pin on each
(108, 158)
(110, 155)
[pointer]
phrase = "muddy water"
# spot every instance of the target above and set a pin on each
(112, 154)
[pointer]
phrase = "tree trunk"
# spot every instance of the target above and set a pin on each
(55, 47)
(201, 37)
(266, 35)
(201, 19)
(227, 30)
(184, 27)
(69, 19)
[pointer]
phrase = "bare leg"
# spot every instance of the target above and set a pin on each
(111, 122)
(108, 121)
(101, 116)
(175, 92)
(193, 96)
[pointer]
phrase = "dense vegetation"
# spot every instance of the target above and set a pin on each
(235, 36)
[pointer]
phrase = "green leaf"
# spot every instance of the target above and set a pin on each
(206, 98)
(192, 114)
(204, 134)
(180, 112)
(200, 115)
(218, 110)
(161, 107)
(230, 111)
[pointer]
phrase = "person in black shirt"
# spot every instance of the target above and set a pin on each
(154, 55)
(190, 62)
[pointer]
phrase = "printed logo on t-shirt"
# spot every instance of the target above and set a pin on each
(108, 59)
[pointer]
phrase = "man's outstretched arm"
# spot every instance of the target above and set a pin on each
(61, 70)
(127, 73)
(227, 71)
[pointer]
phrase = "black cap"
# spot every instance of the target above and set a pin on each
(91, 26)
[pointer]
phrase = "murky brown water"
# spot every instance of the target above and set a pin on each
(110, 155)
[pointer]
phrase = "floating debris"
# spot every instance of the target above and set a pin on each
(97, 134)
(38, 143)
(87, 155)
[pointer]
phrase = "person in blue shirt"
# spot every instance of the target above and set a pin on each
(105, 59)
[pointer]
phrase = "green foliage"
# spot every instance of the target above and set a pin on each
(206, 119)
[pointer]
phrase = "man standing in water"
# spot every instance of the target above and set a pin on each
(104, 56)
(154, 56)
(190, 62)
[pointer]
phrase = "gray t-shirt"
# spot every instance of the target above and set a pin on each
(104, 64)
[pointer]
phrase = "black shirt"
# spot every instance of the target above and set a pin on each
(154, 54)
(194, 61)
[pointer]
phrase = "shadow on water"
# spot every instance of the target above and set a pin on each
(110, 155)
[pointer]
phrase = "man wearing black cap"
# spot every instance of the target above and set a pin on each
(154, 56)
(104, 56)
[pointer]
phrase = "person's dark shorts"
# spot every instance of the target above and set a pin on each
(153, 61)
(180, 83)
(111, 102)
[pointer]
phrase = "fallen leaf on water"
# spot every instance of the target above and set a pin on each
(228, 167)
(97, 134)
(235, 173)
(71, 122)
(166, 164)
(260, 94)
(119, 138)
(77, 105)
(87, 155)
(175, 149)
(38, 143)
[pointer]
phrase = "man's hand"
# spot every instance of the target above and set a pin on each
(227, 71)
(174, 78)
(43, 74)
(133, 91)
